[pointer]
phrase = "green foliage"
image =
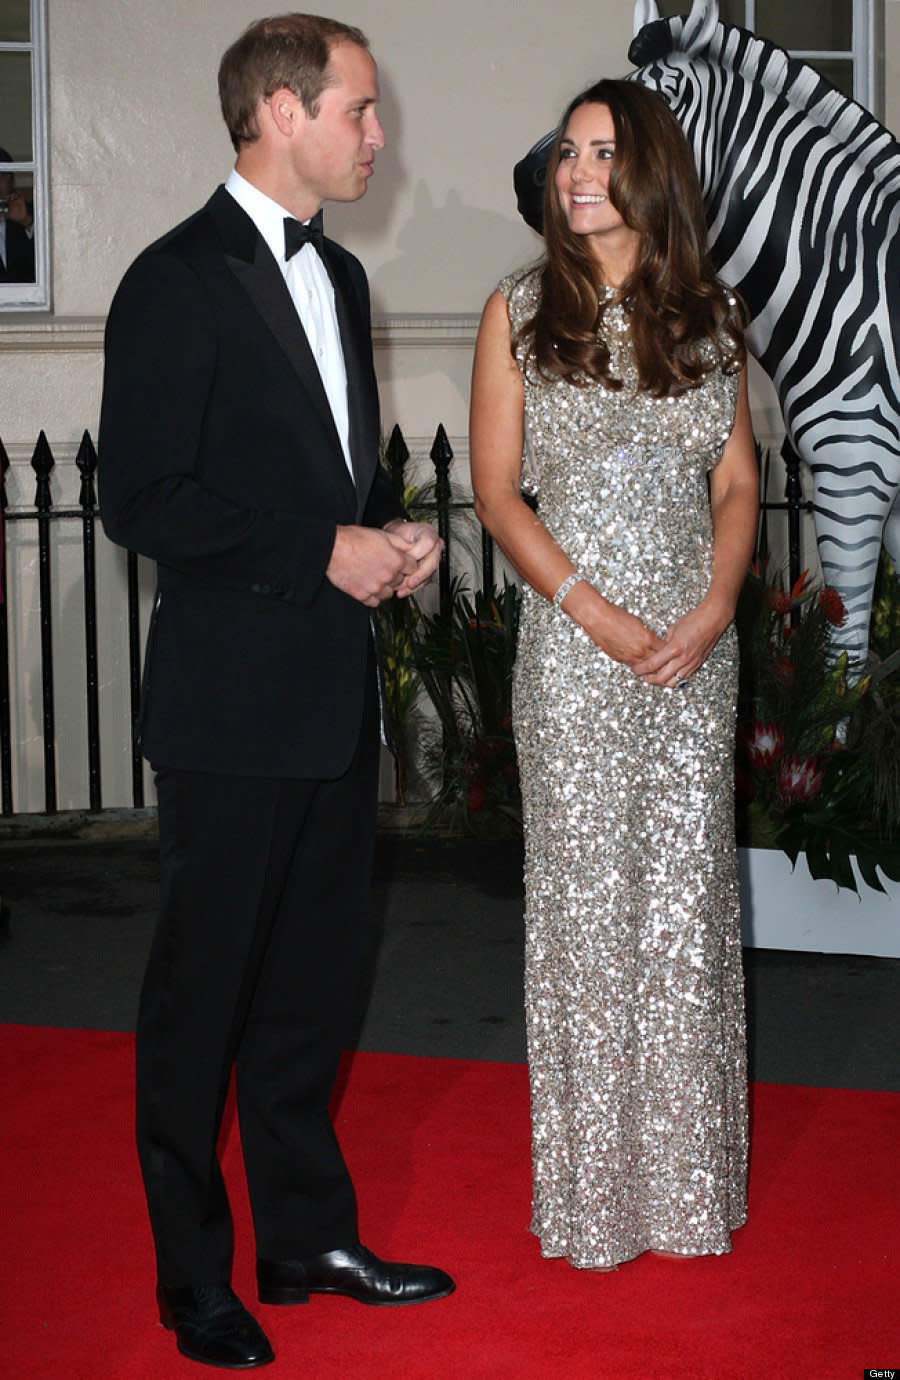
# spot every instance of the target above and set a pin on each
(398, 618)
(464, 659)
(818, 763)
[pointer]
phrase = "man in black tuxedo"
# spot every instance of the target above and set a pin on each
(16, 230)
(239, 445)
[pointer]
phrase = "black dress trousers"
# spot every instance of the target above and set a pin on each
(255, 964)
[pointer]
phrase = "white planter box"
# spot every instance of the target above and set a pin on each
(784, 908)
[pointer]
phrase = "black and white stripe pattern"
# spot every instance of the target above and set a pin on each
(802, 189)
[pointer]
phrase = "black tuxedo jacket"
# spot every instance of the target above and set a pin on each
(219, 458)
(19, 266)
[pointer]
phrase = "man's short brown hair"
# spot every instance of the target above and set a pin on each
(289, 50)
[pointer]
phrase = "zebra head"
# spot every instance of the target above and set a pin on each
(692, 34)
(672, 57)
(697, 28)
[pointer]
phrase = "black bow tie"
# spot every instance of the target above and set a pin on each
(296, 234)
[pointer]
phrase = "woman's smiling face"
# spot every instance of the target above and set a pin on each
(582, 174)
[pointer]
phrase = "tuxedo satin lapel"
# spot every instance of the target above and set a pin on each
(250, 260)
(266, 288)
(362, 399)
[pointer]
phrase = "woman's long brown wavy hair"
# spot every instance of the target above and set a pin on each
(677, 305)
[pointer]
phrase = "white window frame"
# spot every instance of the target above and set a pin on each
(866, 87)
(34, 296)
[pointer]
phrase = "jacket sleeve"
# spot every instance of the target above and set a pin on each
(161, 349)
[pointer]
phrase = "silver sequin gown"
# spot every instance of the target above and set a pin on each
(634, 988)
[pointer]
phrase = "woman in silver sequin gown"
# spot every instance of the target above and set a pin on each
(625, 687)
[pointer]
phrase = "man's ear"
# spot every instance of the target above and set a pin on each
(285, 111)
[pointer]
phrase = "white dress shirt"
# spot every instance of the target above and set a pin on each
(312, 295)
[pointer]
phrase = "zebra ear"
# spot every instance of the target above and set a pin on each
(645, 11)
(529, 176)
(699, 26)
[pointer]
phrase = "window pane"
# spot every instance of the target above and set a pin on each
(730, 11)
(733, 12)
(15, 21)
(15, 105)
(838, 72)
(801, 24)
(807, 24)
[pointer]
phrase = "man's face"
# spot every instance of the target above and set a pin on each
(334, 158)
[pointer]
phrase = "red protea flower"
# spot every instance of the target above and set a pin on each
(765, 744)
(798, 781)
(832, 605)
(779, 601)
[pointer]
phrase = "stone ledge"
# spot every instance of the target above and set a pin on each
(35, 332)
(30, 333)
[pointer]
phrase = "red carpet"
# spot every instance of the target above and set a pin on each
(439, 1151)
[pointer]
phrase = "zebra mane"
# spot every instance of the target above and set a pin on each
(760, 60)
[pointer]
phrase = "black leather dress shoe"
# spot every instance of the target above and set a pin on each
(212, 1325)
(356, 1273)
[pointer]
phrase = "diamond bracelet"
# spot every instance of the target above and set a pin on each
(568, 583)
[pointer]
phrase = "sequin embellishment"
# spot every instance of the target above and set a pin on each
(634, 989)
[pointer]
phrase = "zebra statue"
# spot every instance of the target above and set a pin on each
(802, 191)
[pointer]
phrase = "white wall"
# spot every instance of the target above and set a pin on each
(466, 88)
(137, 143)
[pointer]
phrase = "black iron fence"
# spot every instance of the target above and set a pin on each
(44, 516)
